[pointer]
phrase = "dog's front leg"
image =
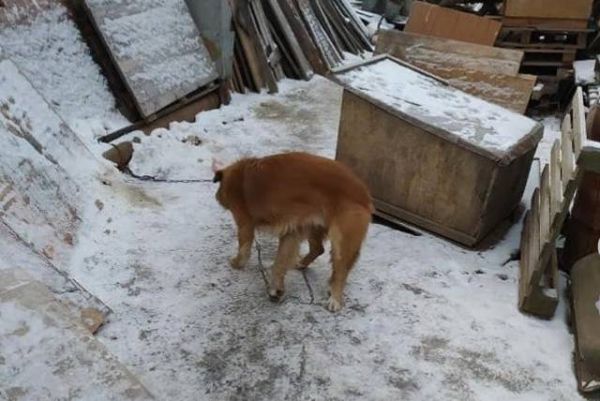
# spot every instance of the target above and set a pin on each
(287, 253)
(245, 240)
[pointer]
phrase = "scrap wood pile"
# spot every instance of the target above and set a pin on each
(550, 34)
(292, 38)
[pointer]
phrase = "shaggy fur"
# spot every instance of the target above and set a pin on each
(297, 196)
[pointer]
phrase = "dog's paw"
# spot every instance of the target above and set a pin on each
(237, 263)
(275, 295)
(334, 305)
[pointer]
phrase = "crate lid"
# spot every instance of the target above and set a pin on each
(430, 103)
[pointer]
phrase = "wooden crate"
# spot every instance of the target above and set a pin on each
(431, 154)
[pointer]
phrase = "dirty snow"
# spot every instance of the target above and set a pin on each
(48, 355)
(585, 73)
(424, 319)
(466, 117)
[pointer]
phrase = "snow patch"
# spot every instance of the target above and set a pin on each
(584, 72)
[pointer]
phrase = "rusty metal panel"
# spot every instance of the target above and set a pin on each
(156, 48)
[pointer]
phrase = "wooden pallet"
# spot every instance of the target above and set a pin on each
(524, 37)
(548, 57)
(548, 73)
(538, 291)
(545, 23)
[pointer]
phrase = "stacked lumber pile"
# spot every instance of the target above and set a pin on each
(291, 38)
(550, 34)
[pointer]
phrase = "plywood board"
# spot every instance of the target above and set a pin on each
(156, 48)
(36, 150)
(483, 71)
(575, 9)
(443, 22)
(447, 53)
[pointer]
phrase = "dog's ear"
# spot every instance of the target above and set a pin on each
(218, 176)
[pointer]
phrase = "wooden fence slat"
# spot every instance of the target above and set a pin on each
(545, 206)
(549, 207)
(579, 125)
(566, 155)
(535, 231)
(556, 187)
(525, 261)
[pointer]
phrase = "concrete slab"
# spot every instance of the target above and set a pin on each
(46, 354)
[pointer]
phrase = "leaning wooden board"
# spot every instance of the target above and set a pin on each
(429, 19)
(431, 154)
(156, 47)
(484, 71)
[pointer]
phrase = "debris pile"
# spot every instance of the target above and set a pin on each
(292, 38)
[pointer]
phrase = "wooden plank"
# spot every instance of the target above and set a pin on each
(448, 53)
(524, 261)
(266, 42)
(464, 66)
(566, 143)
(556, 188)
(536, 243)
(545, 205)
(290, 39)
(324, 20)
(349, 12)
(143, 60)
(343, 30)
(328, 51)
(579, 123)
(303, 36)
(574, 9)
(444, 22)
(247, 32)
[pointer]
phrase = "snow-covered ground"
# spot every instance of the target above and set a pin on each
(425, 319)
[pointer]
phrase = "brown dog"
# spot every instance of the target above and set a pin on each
(297, 196)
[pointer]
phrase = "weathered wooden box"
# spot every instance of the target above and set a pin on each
(432, 155)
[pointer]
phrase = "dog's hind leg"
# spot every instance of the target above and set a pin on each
(347, 232)
(315, 242)
(245, 239)
(287, 254)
